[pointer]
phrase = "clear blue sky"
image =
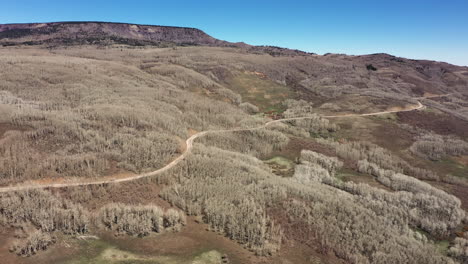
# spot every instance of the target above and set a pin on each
(420, 29)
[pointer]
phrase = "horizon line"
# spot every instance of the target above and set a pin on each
(204, 31)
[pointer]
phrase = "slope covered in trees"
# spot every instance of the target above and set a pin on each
(79, 112)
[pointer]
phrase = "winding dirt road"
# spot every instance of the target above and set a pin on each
(189, 143)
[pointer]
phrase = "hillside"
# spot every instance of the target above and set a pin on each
(174, 147)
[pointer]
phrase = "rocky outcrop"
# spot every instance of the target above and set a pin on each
(75, 33)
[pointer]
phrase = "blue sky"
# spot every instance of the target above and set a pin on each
(419, 29)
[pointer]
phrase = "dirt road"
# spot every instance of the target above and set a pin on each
(189, 142)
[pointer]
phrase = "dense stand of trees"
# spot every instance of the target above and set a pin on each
(41, 214)
(363, 224)
(314, 124)
(140, 220)
(84, 124)
(331, 164)
(229, 191)
(298, 108)
(459, 249)
(359, 223)
(44, 210)
(34, 242)
(257, 143)
(316, 167)
(249, 108)
(356, 151)
(435, 147)
(431, 209)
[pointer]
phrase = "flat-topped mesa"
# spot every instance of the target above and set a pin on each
(75, 33)
(108, 33)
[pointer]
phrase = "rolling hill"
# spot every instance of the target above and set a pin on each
(154, 144)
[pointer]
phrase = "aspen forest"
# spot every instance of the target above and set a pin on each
(169, 153)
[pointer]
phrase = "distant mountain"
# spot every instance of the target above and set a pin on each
(75, 33)
(107, 33)
(326, 75)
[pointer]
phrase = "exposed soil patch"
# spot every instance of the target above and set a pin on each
(441, 99)
(348, 173)
(461, 192)
(302, 93)
(4, 127)
(386, 102)
(390, 136)
(6, 237)
(439, 123)
(299, 244)
(56, 253)
(295, 145)
(267, 95)
(462, 160)
(458, 190)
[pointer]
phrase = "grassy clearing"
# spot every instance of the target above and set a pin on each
(442, 246)
(89, 252)
(431, 110)
(392, 117)
(210, 257)
(102, 252)
(281, 166)
(264, 93)
(453, 167)
(281, 161)
(347, 174)
(356, 128)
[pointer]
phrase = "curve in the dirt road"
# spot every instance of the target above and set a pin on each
(189, 143)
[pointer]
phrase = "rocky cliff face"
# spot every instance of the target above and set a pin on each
(104, 33)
